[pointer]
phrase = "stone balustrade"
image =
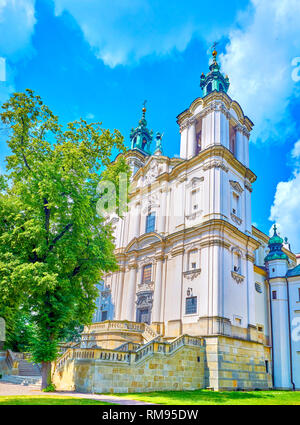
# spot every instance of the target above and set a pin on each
(133, 354)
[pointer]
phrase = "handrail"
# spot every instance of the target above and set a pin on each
(127, 357)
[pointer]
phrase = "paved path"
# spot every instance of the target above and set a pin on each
(7, 389)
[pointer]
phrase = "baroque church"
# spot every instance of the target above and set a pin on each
(202, 298)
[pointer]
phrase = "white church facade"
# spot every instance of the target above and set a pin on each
(190, 261)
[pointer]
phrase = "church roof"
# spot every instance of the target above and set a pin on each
(294, 272)
(214, 80)
(275, 245)
(141, 137)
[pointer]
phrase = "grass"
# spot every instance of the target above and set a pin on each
(47, 400)
(201, 397)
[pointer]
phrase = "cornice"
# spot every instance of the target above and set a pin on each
(211, 101)
(260, 271)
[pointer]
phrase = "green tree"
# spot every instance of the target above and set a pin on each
(54, 246)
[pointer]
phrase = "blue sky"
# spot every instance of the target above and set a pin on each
(100, 59)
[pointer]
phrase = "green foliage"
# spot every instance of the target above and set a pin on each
(54, 247)
(50, 388)
(19, 338)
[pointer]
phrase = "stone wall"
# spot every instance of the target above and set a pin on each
(156, 367)
(234, 364)
(188, 363)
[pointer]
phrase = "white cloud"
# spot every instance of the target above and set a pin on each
(296, 150)
(286, 206)
(17, 22)
(124, 31)
(258, 61)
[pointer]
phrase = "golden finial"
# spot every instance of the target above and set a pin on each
(144, 106)
(214, 53)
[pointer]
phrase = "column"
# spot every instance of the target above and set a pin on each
(131, 292)
(192, 142)
(118, 314)
(156, 312)
(246, 147)
(225, 130)
(162, 211)
(183, 141)
(137, 220)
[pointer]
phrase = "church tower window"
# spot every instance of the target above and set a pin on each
(235, 204)
(193, 260)
(150, 223)
(198, 135)
(237, 261)
(274, 295)
(232, 139)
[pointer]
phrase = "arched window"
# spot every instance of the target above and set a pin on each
(232, 140)
(221, 88)
(209, 87)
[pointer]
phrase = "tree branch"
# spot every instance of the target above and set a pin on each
(47, 219)
(61, 234)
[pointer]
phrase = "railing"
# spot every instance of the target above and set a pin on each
(129, 346)
(148, 333)
(114, 325)
(120, 355)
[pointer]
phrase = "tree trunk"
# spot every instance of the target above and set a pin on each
(46, 374)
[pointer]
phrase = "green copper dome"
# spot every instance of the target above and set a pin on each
(141, 137)
(214, 80)
(275, 245)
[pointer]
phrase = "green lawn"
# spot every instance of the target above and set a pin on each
(47, 400)
(210, 397)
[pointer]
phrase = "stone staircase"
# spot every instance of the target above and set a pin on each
(23, 380)
(20, 370)
(27, 368)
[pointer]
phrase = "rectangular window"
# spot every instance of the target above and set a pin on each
(235, 204)
(232, 140)
(193, 259)
(103, 316)
(147, 273)
(150, 223)
(274, 295)
(299, 294)
(194, 200)
(267, 366)
(191, 305)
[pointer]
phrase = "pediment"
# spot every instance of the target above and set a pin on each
(236, 186)
(143, 242)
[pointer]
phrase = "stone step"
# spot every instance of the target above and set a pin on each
(23, 380)
(27, 368)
